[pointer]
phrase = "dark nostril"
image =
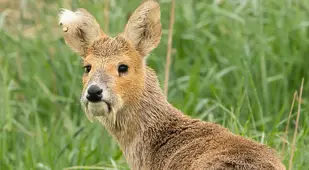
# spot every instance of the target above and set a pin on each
(99, 92)
(94, 93)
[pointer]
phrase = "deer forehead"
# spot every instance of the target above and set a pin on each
(107, 46)
(108, 52)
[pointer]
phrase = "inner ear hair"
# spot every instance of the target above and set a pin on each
(80, 29)
(144, 27)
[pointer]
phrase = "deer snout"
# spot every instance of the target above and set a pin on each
(94, 93)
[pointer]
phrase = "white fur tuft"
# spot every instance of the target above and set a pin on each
(67, 17)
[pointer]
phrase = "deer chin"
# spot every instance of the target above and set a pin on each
(105, 109)
(97, 109)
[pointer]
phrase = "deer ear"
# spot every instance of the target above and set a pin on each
(144, 27)
(80, 29)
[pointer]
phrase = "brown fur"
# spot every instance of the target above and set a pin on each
(152, 133)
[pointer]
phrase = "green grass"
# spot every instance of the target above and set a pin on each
(237, 64)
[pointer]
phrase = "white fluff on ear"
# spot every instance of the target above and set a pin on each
(67, 17)
(80, 29)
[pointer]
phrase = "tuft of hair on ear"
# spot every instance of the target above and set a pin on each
(144, 27)
(80, 29)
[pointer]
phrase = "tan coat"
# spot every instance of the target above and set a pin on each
(152, 134)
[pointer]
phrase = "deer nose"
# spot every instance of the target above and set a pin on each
(94, 93)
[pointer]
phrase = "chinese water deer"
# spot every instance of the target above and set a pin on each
(124, 95)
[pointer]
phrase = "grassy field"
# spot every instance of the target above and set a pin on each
(237, 64)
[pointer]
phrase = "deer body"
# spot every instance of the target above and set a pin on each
(124, 95)
(164, 138)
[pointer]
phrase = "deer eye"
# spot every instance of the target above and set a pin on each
(122, 68)
(87, 68)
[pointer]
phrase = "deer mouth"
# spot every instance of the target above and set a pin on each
(100, 108)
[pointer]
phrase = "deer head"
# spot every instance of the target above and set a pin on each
(114, 67)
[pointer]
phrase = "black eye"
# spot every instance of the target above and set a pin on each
(122, 68)
(87, 68)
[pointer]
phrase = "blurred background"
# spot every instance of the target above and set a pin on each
(234, 62)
